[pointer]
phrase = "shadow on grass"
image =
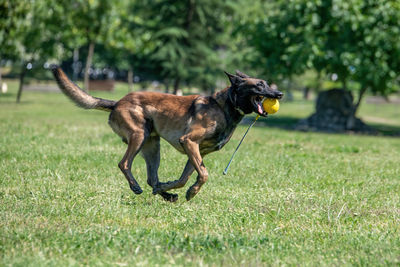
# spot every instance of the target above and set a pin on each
(386, 130)
(289, 123)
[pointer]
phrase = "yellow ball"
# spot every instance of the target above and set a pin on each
(271, 105)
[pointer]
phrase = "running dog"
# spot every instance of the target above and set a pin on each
(194, 125)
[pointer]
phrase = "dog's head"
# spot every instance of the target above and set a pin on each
(248, 93)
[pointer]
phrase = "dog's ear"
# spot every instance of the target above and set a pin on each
(235, 80)
(241, 74)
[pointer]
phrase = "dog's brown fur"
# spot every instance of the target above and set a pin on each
(194, 125)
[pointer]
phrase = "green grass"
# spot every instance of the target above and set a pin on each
(290, 198)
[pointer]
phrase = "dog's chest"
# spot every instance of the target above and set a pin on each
(219, 139)
(223, 139)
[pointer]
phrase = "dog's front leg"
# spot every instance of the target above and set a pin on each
(163, 187)
(192, 149)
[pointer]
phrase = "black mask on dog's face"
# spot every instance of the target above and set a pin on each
(249, 93)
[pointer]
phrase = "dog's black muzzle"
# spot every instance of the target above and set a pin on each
(272, 94)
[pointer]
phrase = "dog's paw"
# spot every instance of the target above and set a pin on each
(169, 197)
(136, 189)
(157, 190)
(190, 193)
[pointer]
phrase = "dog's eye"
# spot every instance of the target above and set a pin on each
(260, 84)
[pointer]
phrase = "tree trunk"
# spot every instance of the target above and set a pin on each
(335, 112)
(1, 82)
(352, 118)
(130, 79)
(387, 99)
(360, 97)
(21, 81)
(166, 83)
(190, 12)
(75, 65)
(289, 95)
(176, 85)
(319, 82)
(88, 63)
(306, 93)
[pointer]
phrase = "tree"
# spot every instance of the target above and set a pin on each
(29, 35)
(376, 61)
(280, 35)
(353, 38)
(127, 40)
(87, 23)
(10, 15)
(185, 37)
(357, 41)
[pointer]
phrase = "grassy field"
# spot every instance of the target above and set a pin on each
(290, 198)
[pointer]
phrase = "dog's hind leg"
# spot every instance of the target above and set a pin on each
(135, 143)
(151, 154)
(162, 187)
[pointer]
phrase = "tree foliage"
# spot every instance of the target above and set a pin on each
(185, 37)
(29, 34)
(355, 39)
(29, 30)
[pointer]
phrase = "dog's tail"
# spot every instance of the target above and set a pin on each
(77, 95)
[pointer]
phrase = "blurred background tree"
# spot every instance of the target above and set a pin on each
(186, 37)
(87, 23)
(29, 35)
(353, 40)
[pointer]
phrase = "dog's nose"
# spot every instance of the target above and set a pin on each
(278, 94)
